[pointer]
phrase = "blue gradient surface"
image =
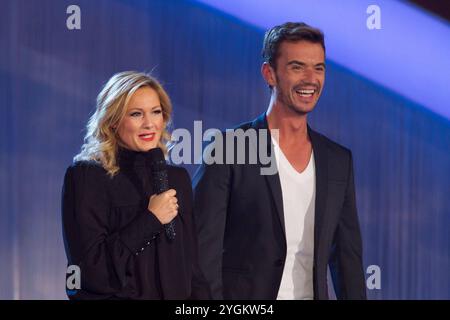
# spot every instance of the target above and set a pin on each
(409, 54)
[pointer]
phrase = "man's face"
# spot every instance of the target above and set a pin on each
(299, 75)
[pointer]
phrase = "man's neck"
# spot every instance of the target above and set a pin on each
(293, 127)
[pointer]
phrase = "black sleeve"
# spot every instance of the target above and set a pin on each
(211, 184)
(199, 286)
(346, 263)
(104, 257)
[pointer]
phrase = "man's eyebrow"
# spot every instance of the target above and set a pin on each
(296, 62)
(322, 64)
(300, 63)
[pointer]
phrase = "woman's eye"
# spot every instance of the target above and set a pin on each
(135, 114)
(158, 111)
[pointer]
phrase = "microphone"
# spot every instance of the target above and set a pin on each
(160, 182)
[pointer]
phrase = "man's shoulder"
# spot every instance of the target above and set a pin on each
(334, 148)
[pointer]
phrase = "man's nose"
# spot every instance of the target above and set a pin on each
(308, 75)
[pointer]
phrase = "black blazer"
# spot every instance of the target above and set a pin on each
(241, 232)
(120, 246)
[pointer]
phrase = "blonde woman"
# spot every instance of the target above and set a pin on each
(113, 223)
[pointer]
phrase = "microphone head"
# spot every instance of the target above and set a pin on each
(156, 160)
(158, 167)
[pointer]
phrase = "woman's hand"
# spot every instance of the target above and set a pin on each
(164, 206)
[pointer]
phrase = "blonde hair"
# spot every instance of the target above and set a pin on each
(101, 140)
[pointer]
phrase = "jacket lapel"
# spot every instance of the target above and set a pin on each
(272, 180)
(275, 187)
(321, 163)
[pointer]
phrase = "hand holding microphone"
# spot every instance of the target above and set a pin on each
(164, 206)
(167, 205)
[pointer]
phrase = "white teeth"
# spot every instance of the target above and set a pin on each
(308, 91)
(146, 136)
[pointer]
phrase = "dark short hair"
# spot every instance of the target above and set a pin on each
(291, 32)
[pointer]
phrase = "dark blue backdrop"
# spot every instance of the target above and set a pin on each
(209, 63)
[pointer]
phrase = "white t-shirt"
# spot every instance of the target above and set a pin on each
(299, 192)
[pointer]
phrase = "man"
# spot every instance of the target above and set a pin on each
(273, 236)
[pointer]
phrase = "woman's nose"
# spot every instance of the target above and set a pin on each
(148, 123)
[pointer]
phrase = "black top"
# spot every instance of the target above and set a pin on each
(120, 246)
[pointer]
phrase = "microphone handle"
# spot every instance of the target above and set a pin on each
(161, 184)
(170, 230)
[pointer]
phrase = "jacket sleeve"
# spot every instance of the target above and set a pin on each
(105, 258)
(211, 195)
(346, 263)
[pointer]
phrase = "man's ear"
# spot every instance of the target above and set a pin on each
(268, 74)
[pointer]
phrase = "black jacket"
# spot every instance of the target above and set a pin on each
(241, 232)
(119, 245)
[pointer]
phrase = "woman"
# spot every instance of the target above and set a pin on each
(113, 222)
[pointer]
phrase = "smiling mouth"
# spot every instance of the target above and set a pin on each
(306, 92)
(147, 136)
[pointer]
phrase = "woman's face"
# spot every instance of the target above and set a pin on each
(143, 124)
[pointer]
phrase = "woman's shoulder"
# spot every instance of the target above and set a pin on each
(87, 181)
(86, 169)
(90, 165)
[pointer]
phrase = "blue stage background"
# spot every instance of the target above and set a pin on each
(210, 65)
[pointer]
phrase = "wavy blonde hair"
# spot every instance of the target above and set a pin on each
(101, 140)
